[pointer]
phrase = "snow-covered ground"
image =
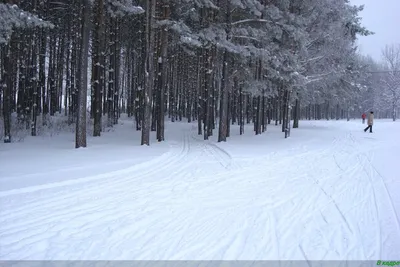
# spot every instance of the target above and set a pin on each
(330, 191)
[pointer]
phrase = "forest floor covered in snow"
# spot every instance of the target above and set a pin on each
(330, 191)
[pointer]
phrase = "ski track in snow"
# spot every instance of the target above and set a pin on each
(162, 209)
(344, 229)
(217, 153)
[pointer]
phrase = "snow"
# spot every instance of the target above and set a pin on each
(329, 192)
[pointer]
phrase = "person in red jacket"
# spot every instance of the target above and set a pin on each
(363, 116)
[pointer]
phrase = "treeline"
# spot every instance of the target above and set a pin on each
(381, 83)
(217, 62)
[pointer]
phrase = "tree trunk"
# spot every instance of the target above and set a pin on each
(288, 113)
(163, 79)
(241, 108)
(80, 135)
(223, 120)
(149, 69)
(296, 113)
(7, 89)
(98, 65)
(34, 85)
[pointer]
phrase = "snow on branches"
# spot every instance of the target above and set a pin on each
(13, 17)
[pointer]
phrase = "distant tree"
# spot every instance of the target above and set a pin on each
(391, 59)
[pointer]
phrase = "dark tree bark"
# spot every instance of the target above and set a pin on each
(224, 99)
(35, 98)
(98, 67)
(223, 121)
(163, 77)
(7, 89)
(149, 69)
(296, 113)
(80, 135)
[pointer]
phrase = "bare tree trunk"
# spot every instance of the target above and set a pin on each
(149, 72)
(288, 114)
(111, 73)
(223, 120)
(296, 113)
(80, 134)
(163, 79)
(34, 108)
(258, 114)
(98, 65)
(117, 67)
(7, 89)
(199, 101)
(224, 100)
(241, 107)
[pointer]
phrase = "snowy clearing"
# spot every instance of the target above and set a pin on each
(329, 192)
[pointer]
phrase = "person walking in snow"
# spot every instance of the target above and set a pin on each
(370, 122)
(363, 116)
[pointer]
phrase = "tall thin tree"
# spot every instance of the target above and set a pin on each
(80, 135)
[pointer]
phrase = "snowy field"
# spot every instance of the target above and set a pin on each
(330, 191)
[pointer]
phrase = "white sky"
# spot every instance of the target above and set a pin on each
(383, 18)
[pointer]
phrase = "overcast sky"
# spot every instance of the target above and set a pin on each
(383, 18)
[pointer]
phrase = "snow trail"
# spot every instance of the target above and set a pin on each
(204, 201)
